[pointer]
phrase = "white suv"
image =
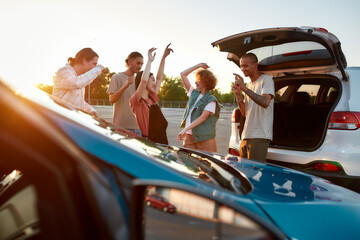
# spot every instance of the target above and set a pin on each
(317, 101)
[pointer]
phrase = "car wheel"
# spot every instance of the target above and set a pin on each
(165, 209)
(148, 203)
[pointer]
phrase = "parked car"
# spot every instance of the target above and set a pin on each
(316, 104)
(158, 201)
(68, 175)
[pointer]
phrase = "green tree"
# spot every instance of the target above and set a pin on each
(172, 89)
(223, 97)
(227, 97)
(216, 93)
(99, 86)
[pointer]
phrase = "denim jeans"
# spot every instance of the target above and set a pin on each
(136, 131)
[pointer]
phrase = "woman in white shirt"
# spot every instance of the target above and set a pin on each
(70, 80)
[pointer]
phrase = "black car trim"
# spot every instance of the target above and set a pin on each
(246, 186)
(340, 58)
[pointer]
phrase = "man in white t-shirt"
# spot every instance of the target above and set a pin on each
(257, 106)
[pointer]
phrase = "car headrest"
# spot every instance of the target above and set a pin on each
(333, 96)
(300, 98)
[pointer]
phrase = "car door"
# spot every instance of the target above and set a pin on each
(49, 188)
(35, 201)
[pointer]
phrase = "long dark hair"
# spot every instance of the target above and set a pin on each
(138, 78)
(85, 53)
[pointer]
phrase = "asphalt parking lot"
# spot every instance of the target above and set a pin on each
(173, 116)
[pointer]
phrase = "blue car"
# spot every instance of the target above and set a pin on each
(67, 175)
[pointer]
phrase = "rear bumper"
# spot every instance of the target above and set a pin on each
(344, 180)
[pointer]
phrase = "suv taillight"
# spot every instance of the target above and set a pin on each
(328, 167)
(235, 116)
(344, 120)
(233, 152)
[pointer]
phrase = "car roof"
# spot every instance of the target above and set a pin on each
(288, 49)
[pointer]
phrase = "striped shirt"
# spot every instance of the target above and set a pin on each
(71, 88)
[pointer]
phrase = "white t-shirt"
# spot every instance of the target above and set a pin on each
(259, 120)
(209, 107)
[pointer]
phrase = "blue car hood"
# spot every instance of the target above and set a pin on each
(297, 202)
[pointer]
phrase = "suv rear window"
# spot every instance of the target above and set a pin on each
(312, 91)
(286, 94)
(290, 52)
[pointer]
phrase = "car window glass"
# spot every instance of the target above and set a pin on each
(18, 206)
(279, 93)
(312, 91)
(332, 94)
(125, 184)
(108, 195)
(290, 51)
(195, 217)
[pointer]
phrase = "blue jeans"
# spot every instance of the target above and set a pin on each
(136, 131)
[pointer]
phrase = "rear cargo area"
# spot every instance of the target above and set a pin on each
(302, 109)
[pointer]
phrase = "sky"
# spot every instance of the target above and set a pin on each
(38, 36)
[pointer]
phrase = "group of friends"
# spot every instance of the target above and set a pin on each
(134, 95)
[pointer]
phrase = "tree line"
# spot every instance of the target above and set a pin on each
(172, 89)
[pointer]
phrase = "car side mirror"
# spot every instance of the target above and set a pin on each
(164, 210)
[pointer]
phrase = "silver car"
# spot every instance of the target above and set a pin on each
(317, 101)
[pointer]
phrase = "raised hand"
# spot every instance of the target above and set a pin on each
(239, 81)
(203, 65)
(167, 51)
(101, 67)
(151, 56)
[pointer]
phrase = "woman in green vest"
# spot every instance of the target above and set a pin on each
(202, 110)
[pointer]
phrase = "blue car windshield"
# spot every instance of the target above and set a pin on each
(195, 165)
